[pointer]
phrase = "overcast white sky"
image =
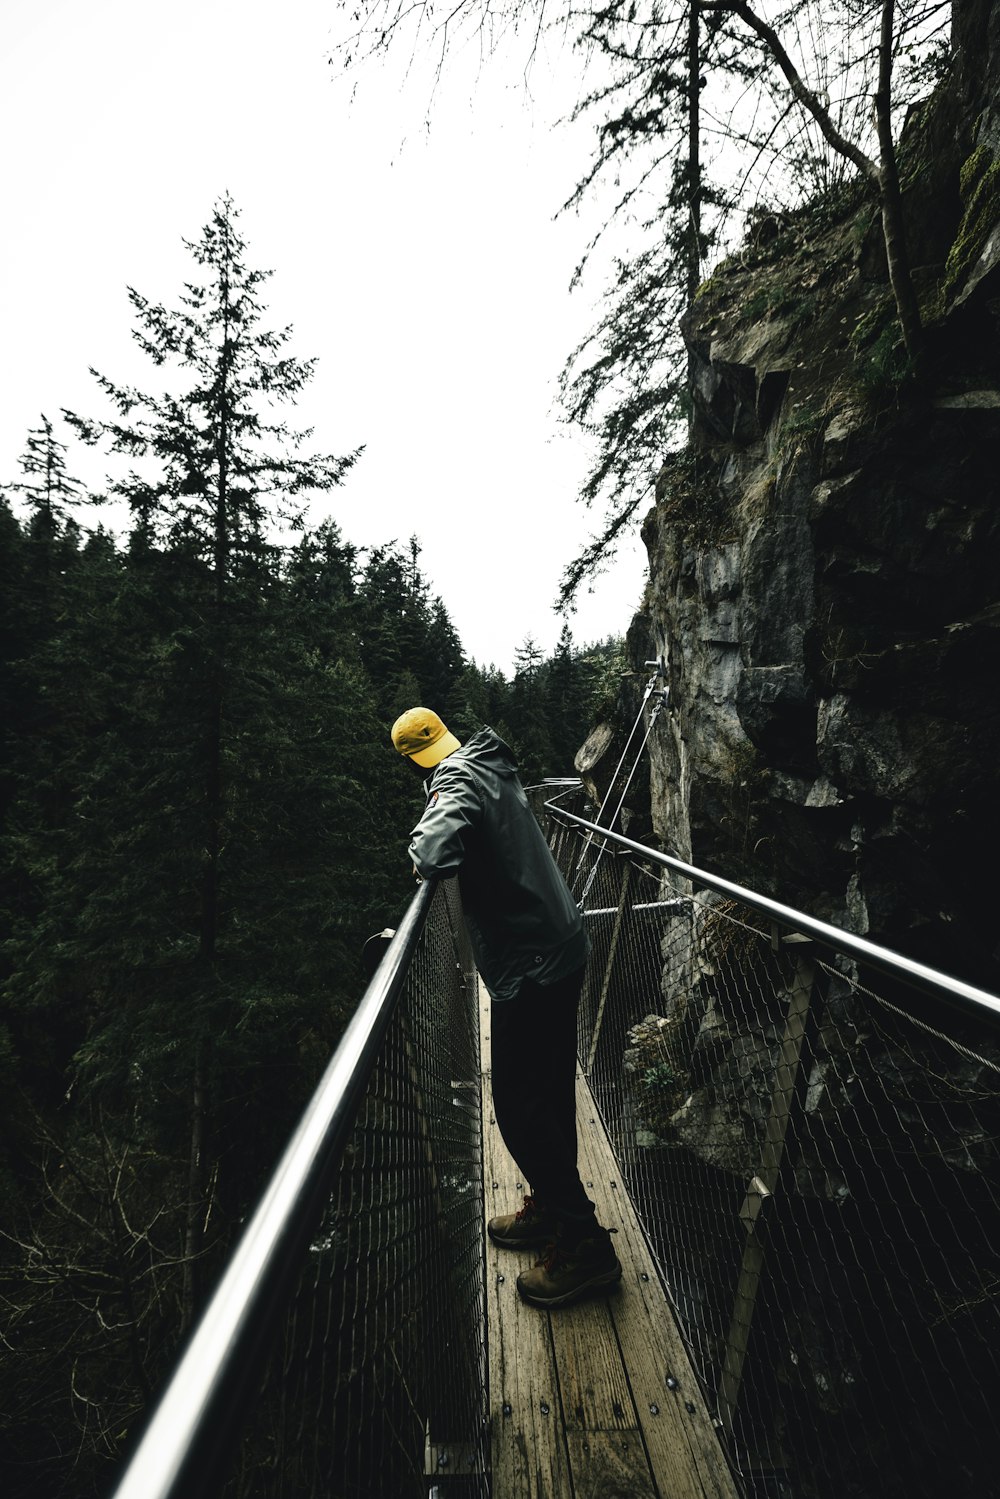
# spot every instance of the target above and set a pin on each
(424, 269)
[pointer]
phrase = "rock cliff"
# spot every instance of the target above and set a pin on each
(825, 555)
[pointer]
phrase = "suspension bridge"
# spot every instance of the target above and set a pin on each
(792, 1133)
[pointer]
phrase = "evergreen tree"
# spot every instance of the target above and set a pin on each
(409, 645)
(443, 659)
(12, 639)
(51, 538)
(48, 594)
(46, 485)
(388, 625)
(528, 715)
(782, 104)
(568, 691)
(211, 694)
(321, 581)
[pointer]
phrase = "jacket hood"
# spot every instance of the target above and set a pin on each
(488, 750)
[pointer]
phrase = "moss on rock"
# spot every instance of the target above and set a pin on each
(980, 187)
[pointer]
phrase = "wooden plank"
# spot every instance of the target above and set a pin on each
(610, 1465)
(580, 1405)
(592, 1381)
(606, 1451)
(684, 1450)
(528, 1447)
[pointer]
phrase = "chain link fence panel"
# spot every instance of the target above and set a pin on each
(813, 1153)
(378, 1385)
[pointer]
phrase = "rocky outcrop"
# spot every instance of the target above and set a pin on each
(825, 562)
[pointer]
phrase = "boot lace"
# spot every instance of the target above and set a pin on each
(560, 1253)
(530, 1210)
(552, 1257)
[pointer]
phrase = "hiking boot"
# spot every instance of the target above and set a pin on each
(522, 1230)
(566, 1273)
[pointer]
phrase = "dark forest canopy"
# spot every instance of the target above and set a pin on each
(202, 820)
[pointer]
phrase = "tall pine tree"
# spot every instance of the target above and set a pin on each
(223, 733)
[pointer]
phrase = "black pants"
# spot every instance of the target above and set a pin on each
(534, 1090)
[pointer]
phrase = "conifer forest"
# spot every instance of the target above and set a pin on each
(203, 819)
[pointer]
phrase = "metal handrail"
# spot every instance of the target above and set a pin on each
(908, 970)
(199, 1417)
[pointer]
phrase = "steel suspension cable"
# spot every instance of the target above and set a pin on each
(657, 709)
(917, 975)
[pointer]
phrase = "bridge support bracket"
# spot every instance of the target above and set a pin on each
(444, 1460)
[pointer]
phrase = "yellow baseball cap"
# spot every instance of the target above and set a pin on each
(420, 734)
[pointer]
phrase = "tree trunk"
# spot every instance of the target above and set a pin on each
(694, 180)
(907, 308)
(694, 154)
(124, 1242)
(196, 1193)
(214, 811)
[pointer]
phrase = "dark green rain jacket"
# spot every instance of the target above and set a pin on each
(522, 919)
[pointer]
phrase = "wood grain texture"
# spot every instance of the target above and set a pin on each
(529, 1457)
(610, 1465)
(684, 1449)
(592, 1380)
(579, 1402)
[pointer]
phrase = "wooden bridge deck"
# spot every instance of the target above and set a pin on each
(580, 1405)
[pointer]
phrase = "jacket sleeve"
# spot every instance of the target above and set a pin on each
(439, 841)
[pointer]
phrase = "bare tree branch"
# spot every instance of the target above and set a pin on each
(805, 95)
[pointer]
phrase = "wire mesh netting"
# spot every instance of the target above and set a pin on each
(813, 1154)
(380, 1372)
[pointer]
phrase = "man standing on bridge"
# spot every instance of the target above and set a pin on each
(530, 947)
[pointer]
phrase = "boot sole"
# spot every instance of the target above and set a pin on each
(602, 1282)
